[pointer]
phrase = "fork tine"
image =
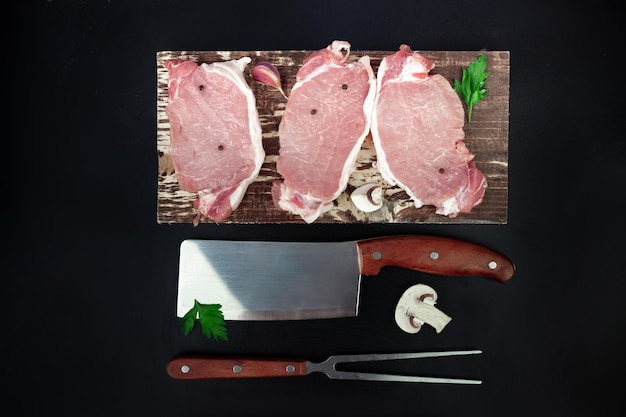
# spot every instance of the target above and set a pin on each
(374, 357)
(329, 367)
(364, 376)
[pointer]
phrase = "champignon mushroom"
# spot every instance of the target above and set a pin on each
(416, 307)
(368, 197)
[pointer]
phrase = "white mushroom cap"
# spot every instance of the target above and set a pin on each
(368, 197)
(416, 307)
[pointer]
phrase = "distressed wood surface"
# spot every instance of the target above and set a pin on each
(486, 137)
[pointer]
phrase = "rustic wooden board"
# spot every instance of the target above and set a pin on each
(486, 137)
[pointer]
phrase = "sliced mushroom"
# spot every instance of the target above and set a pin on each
(416, 307)
(368, 197)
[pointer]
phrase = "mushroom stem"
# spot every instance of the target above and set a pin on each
(416, 307)
(428, 314)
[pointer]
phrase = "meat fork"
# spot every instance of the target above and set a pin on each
(207, 367)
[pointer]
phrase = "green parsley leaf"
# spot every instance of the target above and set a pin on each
(211, 320)
(189, 320)
(472, 86)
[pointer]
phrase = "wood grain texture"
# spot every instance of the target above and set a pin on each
(198, 367)
(486, 137)
(434, 255)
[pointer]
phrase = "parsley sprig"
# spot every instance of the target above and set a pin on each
(472, 86)
(211, 320)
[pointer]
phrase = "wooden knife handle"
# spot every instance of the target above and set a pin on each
(206, 367)
(433, 254)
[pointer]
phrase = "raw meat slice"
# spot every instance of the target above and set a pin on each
(215, 133)
(326, 120)
(417, 129)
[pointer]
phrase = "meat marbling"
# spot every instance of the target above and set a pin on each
(417, 129)
(215, 133)
(326, 120)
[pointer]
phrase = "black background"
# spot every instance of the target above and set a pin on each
(89, 288)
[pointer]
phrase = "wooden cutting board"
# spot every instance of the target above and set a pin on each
(486, 137)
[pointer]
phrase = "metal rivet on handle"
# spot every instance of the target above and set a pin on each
(290, 368)
(434, 255)
(184, 369)
(377, 255)
(237, 369)
(493, 265)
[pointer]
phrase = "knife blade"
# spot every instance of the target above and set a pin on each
(259, 280)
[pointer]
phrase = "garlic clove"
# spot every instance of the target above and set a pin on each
(266, 73)
(368, 197)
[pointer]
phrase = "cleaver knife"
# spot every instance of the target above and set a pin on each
(257, 280)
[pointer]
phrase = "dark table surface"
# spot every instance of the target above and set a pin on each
(90, 283)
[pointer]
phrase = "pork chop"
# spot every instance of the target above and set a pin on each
(417, 129)
(215, 133)
(326, 120)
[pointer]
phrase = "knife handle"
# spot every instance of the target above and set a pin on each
(433, 254)
(207, 367)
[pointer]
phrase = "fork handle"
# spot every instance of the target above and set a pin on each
(207, 367)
